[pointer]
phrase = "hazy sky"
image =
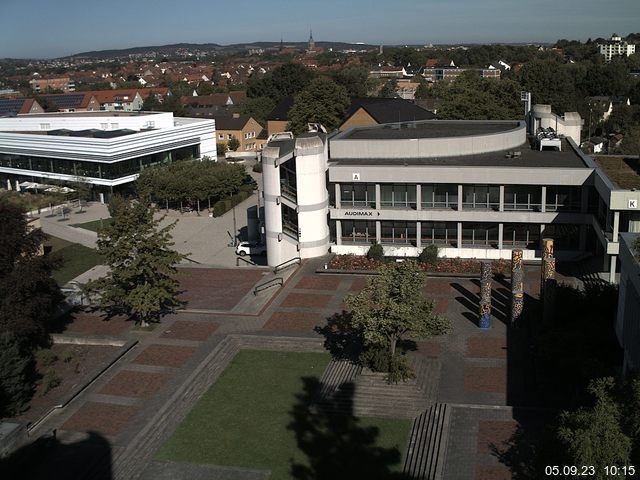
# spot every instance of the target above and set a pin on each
(46, 28)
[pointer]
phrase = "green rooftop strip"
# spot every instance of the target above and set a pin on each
(256, 416)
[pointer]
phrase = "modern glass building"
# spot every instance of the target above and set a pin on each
(105, 149)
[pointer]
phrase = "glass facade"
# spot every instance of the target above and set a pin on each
(563, 199)
(483, 197)
(521, 235)
(403, 233)
(288, 182)
(439, 233)
(109, 171)
(358, 195)
(290, 221)
(443, 196)
(565, 237)
(522, 197)
(398, 195)
(358, 231)
(480, 235)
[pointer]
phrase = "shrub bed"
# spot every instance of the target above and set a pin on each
(223, 206)
(441, 265)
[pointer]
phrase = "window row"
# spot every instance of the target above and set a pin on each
(445, 196)
(94, 169)
(446, 234)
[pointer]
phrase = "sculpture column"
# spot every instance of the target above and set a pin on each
(517, 285)
(549, 298)
(485, 295)
(547, 252)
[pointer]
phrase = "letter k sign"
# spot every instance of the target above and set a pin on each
(356, 177)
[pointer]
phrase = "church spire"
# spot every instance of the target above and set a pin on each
(312, 45)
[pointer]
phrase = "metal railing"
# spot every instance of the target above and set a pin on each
(274, 282)
(249, 262)
(287, 264)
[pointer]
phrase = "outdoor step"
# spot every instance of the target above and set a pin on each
(427, 444)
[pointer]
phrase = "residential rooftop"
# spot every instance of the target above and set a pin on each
(101, 113)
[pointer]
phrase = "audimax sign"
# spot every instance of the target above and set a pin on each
(360, 213)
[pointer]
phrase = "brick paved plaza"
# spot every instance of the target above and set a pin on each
(477, 370)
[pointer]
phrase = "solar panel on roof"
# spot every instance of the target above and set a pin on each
(65, 101)
(10, 106)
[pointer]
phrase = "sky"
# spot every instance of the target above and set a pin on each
(46, 29)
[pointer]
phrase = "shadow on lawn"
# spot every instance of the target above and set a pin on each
(48, 458)
(336, 445)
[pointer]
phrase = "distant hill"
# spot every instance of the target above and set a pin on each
(209, 47)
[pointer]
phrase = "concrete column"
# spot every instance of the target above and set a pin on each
(418, 232)
(378, 230)
(460, 191)
(338, 232)
(459, 235)
(500, 234)
(584, 199)
(616, 225)
(418, 197)
(338, 195)
(378, 205)
(612, 271)
(543, 200)
(501, 205)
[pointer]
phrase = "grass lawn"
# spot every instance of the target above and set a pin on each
(76, 259)
(95, 225)
(256, 412)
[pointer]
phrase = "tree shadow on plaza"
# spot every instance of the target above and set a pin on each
(343, 342)
(337, 446)
(47, 458)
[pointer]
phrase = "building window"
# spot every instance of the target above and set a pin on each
(565, 237)
(358, 195)
(229, 136)
(45, 126)
(115, 126)
(403, 233)
(563, 199)
(288, 180)
(521, 235)
(289, 221)
(220, 136)
(522, 197)
(358, 231)
(480, 234)
(104, 126)
(483, 197)
(398, 195)
(442, 196)
(439, 233)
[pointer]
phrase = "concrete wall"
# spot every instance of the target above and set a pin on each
(429, 147)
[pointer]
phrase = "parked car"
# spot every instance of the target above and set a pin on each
(251, 248)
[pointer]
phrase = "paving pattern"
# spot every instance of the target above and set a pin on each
(137, 403)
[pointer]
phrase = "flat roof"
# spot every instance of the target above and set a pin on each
(529, 158)
(100, 113)
(428, 129)
(624, 172)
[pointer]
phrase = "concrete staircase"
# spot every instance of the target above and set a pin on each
(427, 444)
(348, 390)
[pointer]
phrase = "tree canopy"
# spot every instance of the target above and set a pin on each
(392, 306)
(322, 101)
(142, 266)
(29, 294)
(287, 79)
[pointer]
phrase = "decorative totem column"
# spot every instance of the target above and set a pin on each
(517, 286)
(547, 252)
(549, 298)
(485, 295)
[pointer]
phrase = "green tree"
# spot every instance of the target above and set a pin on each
(16, 374)
(388, 90)
(323, 101)
(550, 83)
(151, 103)
(28, 294)
(142, 266)
(391, 307)
(258, 108)
(594, 436)
(423, 91)
(233, 144)
(353, 78)
(287, 79)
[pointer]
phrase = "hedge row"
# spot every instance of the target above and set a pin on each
(223, 206)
